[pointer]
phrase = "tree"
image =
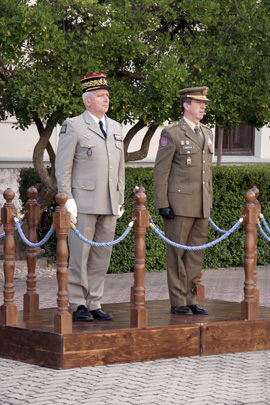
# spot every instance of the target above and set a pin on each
(232, 42)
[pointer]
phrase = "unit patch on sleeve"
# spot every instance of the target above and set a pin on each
(163, 141)
(63, 129)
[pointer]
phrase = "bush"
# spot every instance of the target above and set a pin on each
(230, 183)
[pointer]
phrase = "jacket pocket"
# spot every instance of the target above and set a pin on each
(84, 184)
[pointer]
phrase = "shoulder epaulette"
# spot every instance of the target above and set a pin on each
(71, 119)
(173, 124)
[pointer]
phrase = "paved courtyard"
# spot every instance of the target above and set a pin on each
(237, 378)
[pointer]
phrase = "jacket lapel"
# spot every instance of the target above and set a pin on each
(190, 133)
(91, 124)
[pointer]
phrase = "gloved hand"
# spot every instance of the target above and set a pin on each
(72, 208)
(120, 211)
(166, 213)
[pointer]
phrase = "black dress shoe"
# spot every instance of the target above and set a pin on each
(82, 315)
(100, 315)
(196, 310)
(181, 310)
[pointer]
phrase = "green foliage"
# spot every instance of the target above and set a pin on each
(28, 178)
(230, 183)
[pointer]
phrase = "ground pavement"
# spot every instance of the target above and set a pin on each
(230, 379)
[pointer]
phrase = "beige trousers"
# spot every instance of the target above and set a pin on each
(184, 266)
(88, 264)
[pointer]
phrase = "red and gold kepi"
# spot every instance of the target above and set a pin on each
(198, 93)
(94, 81)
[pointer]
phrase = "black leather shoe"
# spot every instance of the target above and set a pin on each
(181, 310)
(82, 315)
(196, 310)
(100, 315)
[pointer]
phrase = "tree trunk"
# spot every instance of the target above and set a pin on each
(143, 151)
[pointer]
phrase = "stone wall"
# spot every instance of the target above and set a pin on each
(9, 179)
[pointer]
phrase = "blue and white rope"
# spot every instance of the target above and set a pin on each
(263, 233)
(264, 223)
(20, 220)
(207, 245)
(215, 226)
(25, 240)
(104, 244)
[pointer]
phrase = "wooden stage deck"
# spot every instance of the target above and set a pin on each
(167, 336)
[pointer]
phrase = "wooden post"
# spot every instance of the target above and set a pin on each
(259, 209)
(32, 213)
(249, 307)
(61, 224)
(8, 311)
(138, 313)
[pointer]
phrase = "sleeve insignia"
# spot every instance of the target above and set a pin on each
(163, 141)
(63, 129)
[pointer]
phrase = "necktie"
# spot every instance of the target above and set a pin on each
(198, 132)
(102, 129)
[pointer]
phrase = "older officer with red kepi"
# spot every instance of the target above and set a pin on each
(183, 195)
(90, 170)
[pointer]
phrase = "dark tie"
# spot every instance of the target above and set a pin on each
(102, 129)
(199, 133)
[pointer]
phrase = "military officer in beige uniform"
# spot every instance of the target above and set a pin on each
(183, 195)
(90, 170)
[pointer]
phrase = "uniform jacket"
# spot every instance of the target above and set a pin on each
(183, 171)
(90, 168)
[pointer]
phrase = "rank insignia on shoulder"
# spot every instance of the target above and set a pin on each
(63, 129)
(163, 141)
(118, 137)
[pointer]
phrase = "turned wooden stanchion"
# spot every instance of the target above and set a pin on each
(138, 313)
(259, 209)
(32, 214)
(61, 224)
(249, 307)
(8, 311)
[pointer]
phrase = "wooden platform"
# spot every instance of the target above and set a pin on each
(167, 336)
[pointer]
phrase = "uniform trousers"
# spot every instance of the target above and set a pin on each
(88, 264)
(184, 266)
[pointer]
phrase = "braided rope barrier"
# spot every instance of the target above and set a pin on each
(215, 226)
(263, 233)
(20, 220)
(97, 244)
(25, 240)
(210, 244)
(264, 223)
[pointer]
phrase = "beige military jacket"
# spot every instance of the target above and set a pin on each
(90, 168)
(183, 171)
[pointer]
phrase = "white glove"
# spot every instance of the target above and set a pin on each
(72, 208)
(120, 211)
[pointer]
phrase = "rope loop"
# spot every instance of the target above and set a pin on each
(28, 243)
(97, 244)
(159, 233)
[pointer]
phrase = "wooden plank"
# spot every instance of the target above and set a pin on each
(34, 347)
(130, 345)
(231, 337)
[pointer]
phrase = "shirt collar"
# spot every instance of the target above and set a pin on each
(97, 120)
(191, 124)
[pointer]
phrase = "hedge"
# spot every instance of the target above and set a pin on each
(230, 183)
